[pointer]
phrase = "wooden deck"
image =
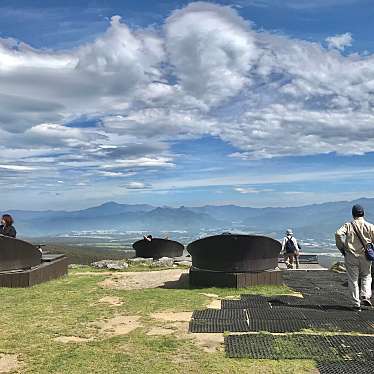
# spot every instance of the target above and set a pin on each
(52, 267)
(206, 278)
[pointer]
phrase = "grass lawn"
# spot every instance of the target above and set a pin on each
(32, 318)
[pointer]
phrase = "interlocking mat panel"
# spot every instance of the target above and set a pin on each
(366, 367)
(301, 346)
(323, 307)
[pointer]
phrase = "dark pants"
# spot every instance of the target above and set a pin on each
(290, 258)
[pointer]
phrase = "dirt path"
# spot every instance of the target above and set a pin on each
(8, 363)
(146, 279)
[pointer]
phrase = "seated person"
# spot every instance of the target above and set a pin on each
(6, 227)
(148, 238)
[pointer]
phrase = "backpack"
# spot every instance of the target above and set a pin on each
(290, 246)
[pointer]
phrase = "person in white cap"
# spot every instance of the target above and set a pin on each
(350, 240)
(290, 249)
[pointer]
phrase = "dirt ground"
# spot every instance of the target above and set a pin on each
(111, 300)
(118, 325)
(172, 278)
(178, 322)
(72, 339)
(8, 363)
(172, 316)
(165, 323)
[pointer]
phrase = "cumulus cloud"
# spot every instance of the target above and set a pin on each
(340, 41)
(42, 86)
(212, 50)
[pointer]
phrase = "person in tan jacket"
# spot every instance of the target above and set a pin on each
(349, 244)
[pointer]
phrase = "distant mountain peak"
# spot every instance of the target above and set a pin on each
(110, 203)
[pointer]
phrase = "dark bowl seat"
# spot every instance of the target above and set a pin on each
(235, 253)
(158, 248)
(16, 254)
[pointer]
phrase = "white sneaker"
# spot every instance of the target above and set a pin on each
(366, 302)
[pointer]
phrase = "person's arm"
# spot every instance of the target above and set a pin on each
(13, 232)
(283, 245)
(372, 233)
(340, 238)
(297, 245)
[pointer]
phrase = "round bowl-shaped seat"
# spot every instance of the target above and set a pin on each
(17, 254)
(235, 253)
(157, 248)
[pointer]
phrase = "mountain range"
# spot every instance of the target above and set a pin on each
(317, 220)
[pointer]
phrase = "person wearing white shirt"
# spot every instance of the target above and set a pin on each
(290, 249)
(358, 266)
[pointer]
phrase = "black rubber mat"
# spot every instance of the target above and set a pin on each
(330, 299)
(258, 298)
(317, 315)
(305, 347)
(200, 326)
(341, 325)
(318, 300)
(253, 346)
(229, 314)
(257, 325)
(255, 301)
(286, 300)
(353, 347)
(240, 304)
(346, 367)
(258, 346)
(279, 313)
(346, 306)
(367, 315)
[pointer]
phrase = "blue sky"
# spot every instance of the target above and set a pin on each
(253, 102)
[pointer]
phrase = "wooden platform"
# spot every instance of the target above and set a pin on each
(206, 278)
(52, 267)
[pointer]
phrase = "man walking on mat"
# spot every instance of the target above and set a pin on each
(290, 249)
(351, 239)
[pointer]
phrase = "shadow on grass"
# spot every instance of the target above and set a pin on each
(182, 283)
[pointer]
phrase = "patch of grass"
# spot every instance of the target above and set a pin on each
(32, 318)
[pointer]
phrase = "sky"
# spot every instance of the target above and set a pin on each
(248, 102)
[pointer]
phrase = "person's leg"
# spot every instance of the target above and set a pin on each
(288, 261)
(365, 273)
(297, 260)
(352, 266)
(291, 260)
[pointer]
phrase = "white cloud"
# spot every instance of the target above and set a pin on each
(340, 41)
(19, 168)
(140, 162)
(136, 186)
(212, 50)
(204, 72)
(115, 174)
(250, 190)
